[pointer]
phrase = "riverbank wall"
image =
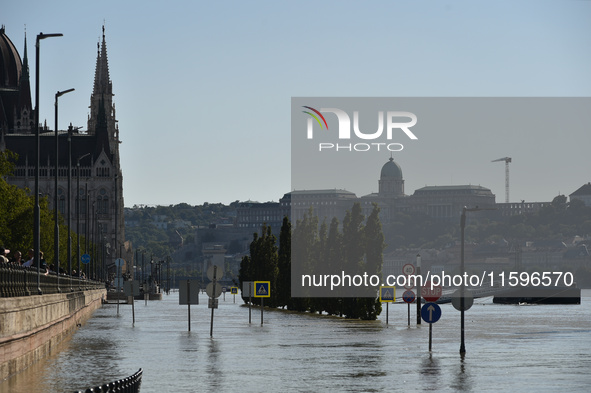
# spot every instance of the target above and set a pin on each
(30, 326)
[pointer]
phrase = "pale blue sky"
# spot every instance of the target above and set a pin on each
(203, 89)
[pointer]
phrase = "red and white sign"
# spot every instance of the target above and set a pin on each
(431, 295)
(408, 269)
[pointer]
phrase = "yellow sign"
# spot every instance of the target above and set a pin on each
(262, 289)
(387, 294)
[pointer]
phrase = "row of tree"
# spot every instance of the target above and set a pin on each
(319, 249)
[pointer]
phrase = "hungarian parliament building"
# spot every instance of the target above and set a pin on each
(88, 164)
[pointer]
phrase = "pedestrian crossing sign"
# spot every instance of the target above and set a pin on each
(387, 294)
(262, 289)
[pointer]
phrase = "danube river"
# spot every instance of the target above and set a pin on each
(508, 348)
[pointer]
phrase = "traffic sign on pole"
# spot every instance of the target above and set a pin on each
(431, 292)
(210, 292)
(387, 294)
(262, 289)
(408, 296)
(234, 290)
(408, 269)
(219, 273)
(188, 292)
(431, 312)
(456, 299)
(247, 287)
(85, 259)
(212, 303)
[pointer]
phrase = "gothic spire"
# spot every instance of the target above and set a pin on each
(24, 114)
(102, 89)
(102, 82)
(25, 69)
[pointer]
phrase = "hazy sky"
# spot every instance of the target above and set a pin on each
(203, 89)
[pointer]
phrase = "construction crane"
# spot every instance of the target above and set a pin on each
(507, 161)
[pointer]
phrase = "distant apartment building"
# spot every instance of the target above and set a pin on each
(254, 214)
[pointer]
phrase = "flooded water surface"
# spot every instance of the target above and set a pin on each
(508, 348)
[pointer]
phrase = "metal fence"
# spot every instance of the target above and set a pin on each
(130, 384)
(17, 280)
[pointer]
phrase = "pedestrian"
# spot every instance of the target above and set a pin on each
(43, 264)
(29, 261)
(17, 258)
(3, 253)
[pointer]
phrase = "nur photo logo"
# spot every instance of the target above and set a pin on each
(389, 123)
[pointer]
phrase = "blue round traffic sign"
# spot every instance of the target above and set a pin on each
(408, 296)
(431, 312)
(85, 258)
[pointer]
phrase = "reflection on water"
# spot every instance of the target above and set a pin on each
(541, 348)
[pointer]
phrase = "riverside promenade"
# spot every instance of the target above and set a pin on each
(31, 324)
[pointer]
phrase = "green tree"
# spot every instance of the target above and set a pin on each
(374, 249)
(354, 250)
(333, 257)
(284, 266)
(262, 263)
(304, 258)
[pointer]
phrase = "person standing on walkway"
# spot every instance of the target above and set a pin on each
(3, 253)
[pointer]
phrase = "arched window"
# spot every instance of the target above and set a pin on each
(103, 202)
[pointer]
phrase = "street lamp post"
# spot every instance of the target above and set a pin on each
(69, 202)
(56, 235)
(462, 269)
(78, 209)
(37, 209)
(419, 283)
(462, 227)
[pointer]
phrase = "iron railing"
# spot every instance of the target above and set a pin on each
(17, 280)
(130, 384)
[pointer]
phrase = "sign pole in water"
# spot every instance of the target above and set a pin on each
(119, 263)
(131, 290)
(418, 290)
(132, 303)
(215, 269)
(189, 303)
(247, 291)
(431, 312)
(214, 290)
(408, 296)
(234, 291)
(262, 289)
(188, 294)
(430, 335)
(387, 295)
